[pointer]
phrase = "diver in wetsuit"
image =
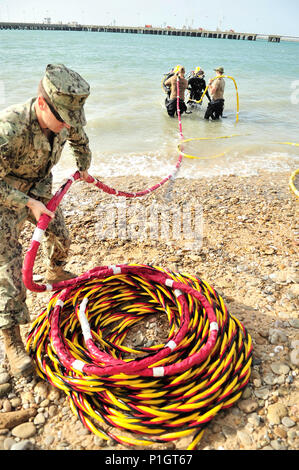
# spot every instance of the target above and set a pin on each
(197, 85)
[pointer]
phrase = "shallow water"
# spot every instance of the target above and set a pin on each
(130, 132)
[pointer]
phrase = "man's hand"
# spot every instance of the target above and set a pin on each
(38, 208)
(86, 176)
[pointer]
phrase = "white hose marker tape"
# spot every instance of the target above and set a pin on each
(83, 319)
(171, 344)
(214, 326)
(115, 269)
(178, 292)
(158, 371)
(49, 287)
(169, 282)
(38, 234)
(59, 303)
(78, 365)
(72, 179)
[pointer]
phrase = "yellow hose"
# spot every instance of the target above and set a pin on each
(237, 94)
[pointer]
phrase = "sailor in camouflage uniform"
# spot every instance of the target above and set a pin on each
(32, 137)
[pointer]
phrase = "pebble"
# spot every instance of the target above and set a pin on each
(294, 322)
(8, 443)
(294, 357)
(39, 419)
(262, 393)
(277, 444)
(288, 422)
(277, 336)
(280, 368)
(244, 438)
(24, 430)
(248, 406)
(276, 412)
(254, 419)
(4, 378)
(270, 379)
(22, 445)
(4, 389)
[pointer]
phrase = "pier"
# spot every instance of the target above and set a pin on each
(147, 29)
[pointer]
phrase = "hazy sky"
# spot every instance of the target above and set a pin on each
(254, 16)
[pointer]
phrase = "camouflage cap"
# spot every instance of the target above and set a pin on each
(219, 69)
(67, 91)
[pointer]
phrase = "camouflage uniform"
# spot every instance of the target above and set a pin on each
(26, 160)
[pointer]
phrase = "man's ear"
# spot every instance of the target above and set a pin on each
(41, 103)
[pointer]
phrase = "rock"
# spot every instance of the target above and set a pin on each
(15, 402)
(277, 444)
(294, 357)
(277, 336)
(285, 276)
(5, 389)
(139, 339)
(22, 445)
(39, 419)
(27, 397)
(8, 443)
(248, 406)
(49, 440)
(14, 418)
(6, 405)
(24, 430)
(262, 393)
(41, 390)
(288, 422)
(276, 412)
(228, 431)
(4, 378)
(254, 419)
(244, 438)
(279, 368)
(270, 379)
(54, 394)
(294, 322)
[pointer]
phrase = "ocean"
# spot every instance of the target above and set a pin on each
(129, 130)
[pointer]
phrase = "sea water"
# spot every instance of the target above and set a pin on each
(129, 130)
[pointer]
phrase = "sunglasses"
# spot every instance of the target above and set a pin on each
(55, 113)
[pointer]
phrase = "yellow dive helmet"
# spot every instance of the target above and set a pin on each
(198, 71)
(176, 68)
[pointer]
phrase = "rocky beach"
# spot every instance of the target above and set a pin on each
(243, 239)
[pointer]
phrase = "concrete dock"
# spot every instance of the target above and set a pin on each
(148, 29)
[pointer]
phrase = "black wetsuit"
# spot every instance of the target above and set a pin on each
(171, 106)
(196, 87)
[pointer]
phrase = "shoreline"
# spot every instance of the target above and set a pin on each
(246, 249)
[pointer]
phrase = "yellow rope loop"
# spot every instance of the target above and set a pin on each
(292, 182)
(236, 88)
(292, 178)
(205, 138)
